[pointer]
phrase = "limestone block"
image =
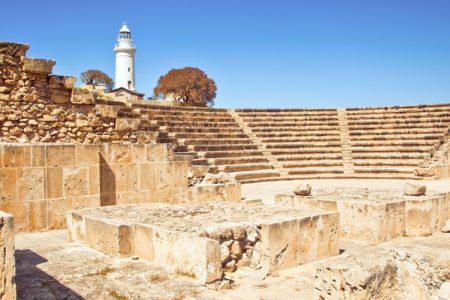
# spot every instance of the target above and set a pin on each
(147, 173)
(290, 243)
(132, 197)
(60, 155)
(138, 153)
(76, 227)
(30, 183)
(21, 213)
(88, 154)
(62, 82)
(163, 175)
(38, 215)
(125, 176)
(108, 111)
(54, 186)
(411, 189)
(119, 153)
(363, 220)
(91, 201)
(83, 97)
(157, 152)
(180, 173)
(127, 124)
(13, 49)
(56, 214)
(75, 181)
(94, 180)
(425, 215)
(16, 156)
(37, 65)
(187, 254)
(7, 258)
(371, 222)
(8, 184)
(446, 228)
(233, 192)
(311, 202)
(109, 238)
(38, 156)
(302, 190)
(424, 172)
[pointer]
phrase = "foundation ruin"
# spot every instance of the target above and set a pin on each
(208, 238)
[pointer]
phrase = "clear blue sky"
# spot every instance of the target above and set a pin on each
(277, 53)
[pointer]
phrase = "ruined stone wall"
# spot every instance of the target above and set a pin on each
(40, 183)
(38, 107)
(7, 259)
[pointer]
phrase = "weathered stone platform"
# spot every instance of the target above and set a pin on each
(377, 215)
(207, 239)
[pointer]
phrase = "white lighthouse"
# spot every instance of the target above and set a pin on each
(125, 59)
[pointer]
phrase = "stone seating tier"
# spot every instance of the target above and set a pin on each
(275, 144)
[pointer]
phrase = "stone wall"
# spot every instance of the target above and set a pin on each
(7, 259)
(38, 107)
(40, 183)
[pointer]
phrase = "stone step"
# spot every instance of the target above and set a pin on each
(195, 119)
(403, 108)
(208, 135)
(231, 153)
(397, 163)
(188, 109)
(223, 141)
(252, 201)
(303, 145)
(384, 170)
(309, 133)
(397, 127)
(310, 156)
(220, 147)
(246, 167)
(390, 155)
(237, 160)
(188, 123)
(391, 149)
(315, 170)
(394, 117)
(314, 163)
(254, 175)
(307, 151)
(301, 140)
(290, 119)
(387, 132)
(398, 138)
(399, 121)
(295, 129)
(292, 124)
(384, 143)
(190, 129)
(287, 114)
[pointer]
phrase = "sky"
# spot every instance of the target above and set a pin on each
(266, 53)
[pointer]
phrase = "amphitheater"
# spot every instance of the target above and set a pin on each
(102, 199)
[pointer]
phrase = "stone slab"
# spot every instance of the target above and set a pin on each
(7, 259)
(376, 215)
(209, 238)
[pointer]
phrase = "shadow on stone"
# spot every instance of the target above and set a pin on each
(107, 183)
(33, 283)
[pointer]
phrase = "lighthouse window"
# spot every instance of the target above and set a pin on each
(128, 69)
